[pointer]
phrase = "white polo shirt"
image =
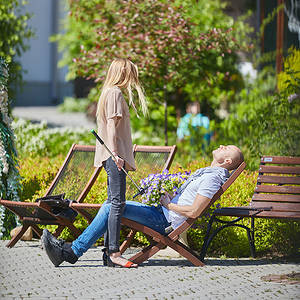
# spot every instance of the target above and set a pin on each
(205, 182)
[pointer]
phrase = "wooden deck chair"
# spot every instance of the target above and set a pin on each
(276, 196)
(171, 240)
(75, 178)
(149, 160)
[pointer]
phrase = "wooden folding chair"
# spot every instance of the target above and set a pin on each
(149, 160)
(171, 240)
(75, 178)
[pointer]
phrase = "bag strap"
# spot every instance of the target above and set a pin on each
(52, 197)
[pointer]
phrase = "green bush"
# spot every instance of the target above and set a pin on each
(37, 174)
(38, 139)
(273, 237)
(71, 104)
(266, 122)
(9, 176)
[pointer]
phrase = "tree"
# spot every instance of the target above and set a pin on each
(14, 32)
(168, 39)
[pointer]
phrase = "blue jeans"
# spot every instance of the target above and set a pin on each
(116, 190)
(150, 216)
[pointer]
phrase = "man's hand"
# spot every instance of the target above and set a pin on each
(165, 200)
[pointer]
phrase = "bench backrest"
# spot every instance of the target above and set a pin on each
(278, 186)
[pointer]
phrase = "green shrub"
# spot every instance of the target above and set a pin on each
(290, 78)
(265, 122)
(71, 104)
(9, 176)
(272, 236)
(37, 174)
(38, 139)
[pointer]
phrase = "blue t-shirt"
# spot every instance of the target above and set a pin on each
(198, 120)
(205, 182)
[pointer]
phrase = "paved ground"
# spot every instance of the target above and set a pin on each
(52, 116)
(26, 273)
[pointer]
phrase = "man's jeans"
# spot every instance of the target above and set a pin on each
(150, 216)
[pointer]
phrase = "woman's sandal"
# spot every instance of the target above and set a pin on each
(129, 264)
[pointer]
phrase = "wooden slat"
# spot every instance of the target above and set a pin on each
(145, 148)
(279, 206)
(233, 177)
(170, 158)
(236, 212)
(277, 189)
(89, 185)
(85, 205)
(85, 148)
(280, 160)
(279, 215)
(279, 170)
(276, 197)
(278, 179)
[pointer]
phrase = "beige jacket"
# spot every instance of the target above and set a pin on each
(117, 109)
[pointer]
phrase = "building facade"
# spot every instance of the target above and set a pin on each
(44, 82)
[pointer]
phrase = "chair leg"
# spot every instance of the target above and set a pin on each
(146, 253)
(209, 236)
(149, 251)
(187, 253)
(75, 231)
(127, 241)
(16, 238)
(206, 241)
(251, 239)
(58, 231)
(37, 230)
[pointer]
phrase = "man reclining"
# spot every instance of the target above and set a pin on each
(189, 202)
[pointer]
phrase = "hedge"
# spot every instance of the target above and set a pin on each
(273, 237)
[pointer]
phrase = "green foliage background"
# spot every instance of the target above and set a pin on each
(200, 66)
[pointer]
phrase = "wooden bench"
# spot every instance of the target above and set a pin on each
(276, 195)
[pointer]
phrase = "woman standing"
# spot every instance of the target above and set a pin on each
(113, 121)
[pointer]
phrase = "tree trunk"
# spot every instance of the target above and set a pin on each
(166, 122)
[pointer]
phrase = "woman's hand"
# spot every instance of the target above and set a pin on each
(119, 161)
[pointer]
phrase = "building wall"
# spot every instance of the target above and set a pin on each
(44, 82)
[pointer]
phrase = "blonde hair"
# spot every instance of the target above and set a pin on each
(124, 74)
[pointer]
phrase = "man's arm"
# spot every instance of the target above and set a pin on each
(189, 211)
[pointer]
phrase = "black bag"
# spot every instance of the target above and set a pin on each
(59, 206)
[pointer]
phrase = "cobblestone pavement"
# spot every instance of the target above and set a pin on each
(53, 116)
(26, 273)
